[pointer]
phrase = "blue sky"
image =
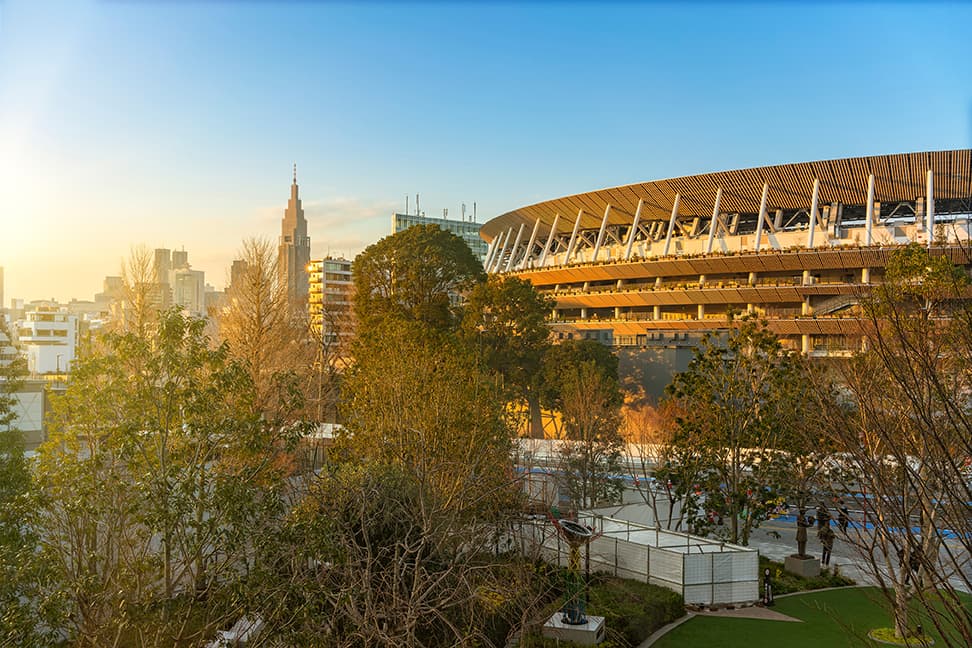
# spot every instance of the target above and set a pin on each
(176, 124)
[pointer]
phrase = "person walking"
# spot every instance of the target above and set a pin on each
(826, 536)
(843, 516)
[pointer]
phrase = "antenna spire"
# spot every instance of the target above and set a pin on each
(295, 173)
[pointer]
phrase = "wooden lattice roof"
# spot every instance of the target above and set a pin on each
(897, 178)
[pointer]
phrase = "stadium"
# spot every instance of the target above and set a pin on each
(650, 267)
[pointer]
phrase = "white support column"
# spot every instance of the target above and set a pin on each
(600, 232)
(506, 242)
(497, 244)
(814, 203)
(930, 208)
(490, 251)
(715, 218)
(529, 248)
(762, 216)
(633, 231)
(516, 244)
(573, 237)
(671, 224)
(550, 240)
(869, 212)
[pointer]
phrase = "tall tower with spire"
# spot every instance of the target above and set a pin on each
(294, 251)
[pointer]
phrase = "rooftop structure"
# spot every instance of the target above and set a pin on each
(653, 262)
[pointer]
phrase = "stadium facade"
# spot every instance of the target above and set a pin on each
(660, 263)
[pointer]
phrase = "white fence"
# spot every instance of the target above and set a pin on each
(704, 572)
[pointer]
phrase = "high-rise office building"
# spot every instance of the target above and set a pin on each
(294, 251)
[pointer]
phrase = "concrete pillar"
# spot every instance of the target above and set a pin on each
(656, 312)
(701, 281)
(930, 208)
(600, 232)
(550, 240)
(516, 244)
(806, 278)
(671, 224)
(617, 312)
(658, 282)
(814, 203)
(573, 237)
(583, 313)
(869, 212)
(865, 275)
(633, 231)
(752, 278)
(529, 248)
(715, 218)
(805, 344)
(506, 242)
(762, 216)
(490, 251)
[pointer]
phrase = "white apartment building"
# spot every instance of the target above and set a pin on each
(48, 337)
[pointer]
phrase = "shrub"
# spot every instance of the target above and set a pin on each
(784, 582)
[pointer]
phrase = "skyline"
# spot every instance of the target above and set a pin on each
(177, 125)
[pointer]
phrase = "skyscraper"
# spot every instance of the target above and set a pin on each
(294, 252)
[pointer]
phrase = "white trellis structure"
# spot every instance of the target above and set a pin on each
(703, 571)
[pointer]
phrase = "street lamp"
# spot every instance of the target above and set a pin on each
(58, 360)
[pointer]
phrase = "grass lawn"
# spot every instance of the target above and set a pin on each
(833, 618)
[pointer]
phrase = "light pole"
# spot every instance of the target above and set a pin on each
(58, 360)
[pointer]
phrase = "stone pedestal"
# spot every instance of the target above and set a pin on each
(804, 566)
(589, 634)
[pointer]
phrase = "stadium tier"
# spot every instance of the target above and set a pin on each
(657, 264)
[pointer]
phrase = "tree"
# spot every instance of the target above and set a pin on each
(659, 473)
(421, 402)
(559, 358)
(158, 472)
(23, 610)
(417, 275)
(142, 293)
(580, 382)
(591, 450)
(396, 538)
(737, 405)
(902, 423)
(264, 330)
(505, 318)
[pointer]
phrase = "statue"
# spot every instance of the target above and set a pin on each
(803, 523)
(576, 535)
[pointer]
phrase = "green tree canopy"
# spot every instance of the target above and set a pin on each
(739, 404)
(414, 275)
(159, 472)
(505, 320)
(562, 359)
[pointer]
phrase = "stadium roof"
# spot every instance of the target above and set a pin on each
(896, 178)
